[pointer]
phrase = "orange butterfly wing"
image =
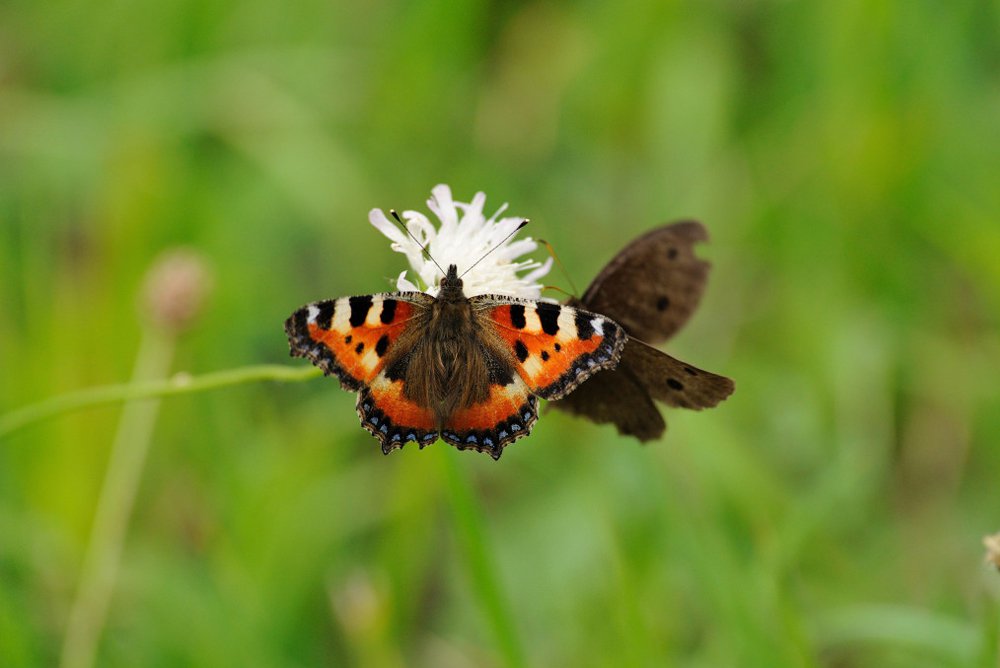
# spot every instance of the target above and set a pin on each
(352, 338)
(507, 415)
(550, 349)
(556, 347)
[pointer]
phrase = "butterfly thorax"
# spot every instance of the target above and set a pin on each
(448, 370)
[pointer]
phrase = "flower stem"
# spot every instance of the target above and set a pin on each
(146, 389)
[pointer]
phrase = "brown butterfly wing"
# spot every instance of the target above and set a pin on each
(617, 397)
(651, 288)
(674, 382)
(624, 396)
(654, 284)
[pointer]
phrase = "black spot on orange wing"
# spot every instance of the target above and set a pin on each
(382, 345)
(359, 309)
(517, 316)
(584, 329)
(325, 315)
(584, 356)
(548, 315)
(588, 345)
(388, 312)
(337, 350)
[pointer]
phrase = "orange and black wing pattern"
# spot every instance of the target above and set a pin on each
(356, 339)
(508, 413)
(392, 418)
(350, 337)
(555, 347)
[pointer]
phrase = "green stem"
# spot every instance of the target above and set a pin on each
(473, 541)
(178, 384)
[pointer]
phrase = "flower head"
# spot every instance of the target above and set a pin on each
(176, 289)
(464, 237)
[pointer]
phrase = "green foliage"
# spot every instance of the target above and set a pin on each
(845, 157)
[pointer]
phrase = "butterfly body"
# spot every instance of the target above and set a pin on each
(469, 370)
(651, 287)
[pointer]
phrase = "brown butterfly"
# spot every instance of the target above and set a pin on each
(650, 288)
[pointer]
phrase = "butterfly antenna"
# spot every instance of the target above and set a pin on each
(562, 268)
(558, 289)
(423, 247)
(518, 229)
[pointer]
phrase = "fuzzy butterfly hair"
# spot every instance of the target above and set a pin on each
(466, 359)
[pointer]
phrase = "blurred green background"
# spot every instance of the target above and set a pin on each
(845, 157)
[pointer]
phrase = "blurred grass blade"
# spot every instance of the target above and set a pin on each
(114, 508)
(473, 543)
(923, 631)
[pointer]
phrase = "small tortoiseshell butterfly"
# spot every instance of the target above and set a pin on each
(651, 288)
(469, 370)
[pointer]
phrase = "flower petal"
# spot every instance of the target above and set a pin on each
(540, 271)
(464, 238)
(377, 218)
(403, 284)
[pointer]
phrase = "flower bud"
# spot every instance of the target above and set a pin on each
(175, 289)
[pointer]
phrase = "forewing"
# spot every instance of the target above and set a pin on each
(554, 347)
(353, 337)
(654, 284)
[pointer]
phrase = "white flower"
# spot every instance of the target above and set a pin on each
(464, 237)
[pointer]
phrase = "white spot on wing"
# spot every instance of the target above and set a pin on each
(532, 366)
(374, 318)
(532, 324)
(567, 324)
(369, 360)
(598, 325)
(313, 312)
(341, 316)
(513, 388)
